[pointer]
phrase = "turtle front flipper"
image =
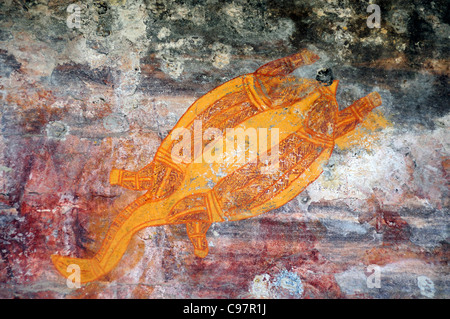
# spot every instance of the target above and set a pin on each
(288, 64)
(350, 117)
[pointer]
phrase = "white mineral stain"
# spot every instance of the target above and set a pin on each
(221, 55)
(290, 282)
(426, 286)
(395, 160)
(172, 66)
(234, 13)
(132, 19)
(172, 61)
(260, 287)
(57, 130)
(163, 33)
(352, 281)
(356, 174)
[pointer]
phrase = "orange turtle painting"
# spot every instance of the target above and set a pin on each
(184, 188)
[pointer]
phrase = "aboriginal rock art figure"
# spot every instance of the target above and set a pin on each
(198, 193)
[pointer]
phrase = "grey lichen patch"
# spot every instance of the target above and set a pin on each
(221, 55)
(116, 123)
(57, 130)
(351, 229)
(221, 30)
(399, 20)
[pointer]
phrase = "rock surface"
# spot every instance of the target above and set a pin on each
(76, 102)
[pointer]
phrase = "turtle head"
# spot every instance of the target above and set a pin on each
(326, 78)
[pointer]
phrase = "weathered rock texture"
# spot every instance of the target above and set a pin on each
(77, 101)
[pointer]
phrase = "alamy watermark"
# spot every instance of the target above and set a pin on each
(74, 279)
(374, 20)
(374, 279)
(238, 145)
(74, 18)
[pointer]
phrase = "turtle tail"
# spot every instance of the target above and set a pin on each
(89, 269)
(140, 214)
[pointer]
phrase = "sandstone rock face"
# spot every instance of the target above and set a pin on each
(77, 99)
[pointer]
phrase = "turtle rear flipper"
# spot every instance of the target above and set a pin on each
(356, 113)
(197, 212)
(197, 234)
